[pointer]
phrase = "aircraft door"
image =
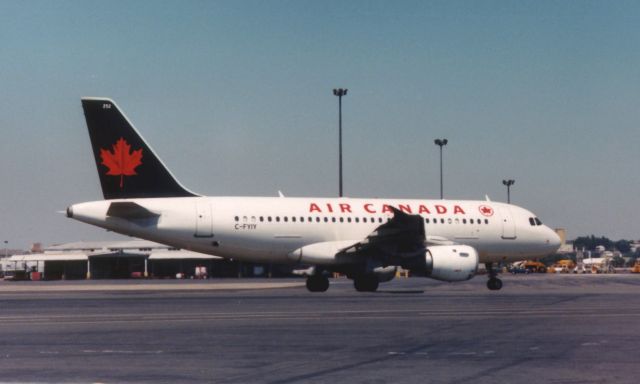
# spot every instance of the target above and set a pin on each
(204, 219)
(508, 225)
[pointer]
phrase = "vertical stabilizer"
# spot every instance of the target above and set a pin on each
(127, 166)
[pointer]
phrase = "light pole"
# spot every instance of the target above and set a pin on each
(508, 183)
(340, 92)
(441, 143)
(6, 248)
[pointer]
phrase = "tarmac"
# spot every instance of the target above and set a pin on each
(542, 328)
(143, 285)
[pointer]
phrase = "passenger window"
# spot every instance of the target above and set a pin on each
(342, 219)
(470, 221)
(357, 219)
(486, 221)
(293, 219)
(244, 219)
(426, 220)
(261, 219)
(269, 219)
(278, 218)
(237, 218)
(457, 221)
(464, 221)
(441, 221)
(450, 221)
(253, 219)
(348, 219)
(333, 219)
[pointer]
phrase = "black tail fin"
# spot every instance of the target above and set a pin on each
(127, 166)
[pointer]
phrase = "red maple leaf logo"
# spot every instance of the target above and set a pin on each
(486, 210)
(121, 161)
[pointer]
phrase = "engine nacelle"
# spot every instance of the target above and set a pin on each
(451, 262)
(385, 274)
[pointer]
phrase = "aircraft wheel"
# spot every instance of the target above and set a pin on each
(317, 283)
(366, 283)
(494, 284)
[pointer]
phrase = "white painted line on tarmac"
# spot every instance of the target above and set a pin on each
(146, 287)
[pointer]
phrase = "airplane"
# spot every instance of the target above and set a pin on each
(364, 239)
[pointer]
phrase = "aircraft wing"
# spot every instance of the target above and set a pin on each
(403, 236)
(440, 240)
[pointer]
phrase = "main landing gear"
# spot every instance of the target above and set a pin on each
(317, 283)
(367, 282)
(494, 283)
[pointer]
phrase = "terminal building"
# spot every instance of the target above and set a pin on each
(125, 259)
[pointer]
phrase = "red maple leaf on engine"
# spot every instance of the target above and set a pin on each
(120, 160)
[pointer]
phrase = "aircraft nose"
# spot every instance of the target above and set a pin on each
(553, 240)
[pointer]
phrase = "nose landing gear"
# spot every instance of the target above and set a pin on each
(317, 283)
(494, 284)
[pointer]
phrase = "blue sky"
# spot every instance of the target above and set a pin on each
(235, 96)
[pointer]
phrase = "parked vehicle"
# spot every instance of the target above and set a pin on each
(562, 266)
(534, 266)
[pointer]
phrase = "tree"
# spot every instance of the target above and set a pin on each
(591, 242)
(624, 246)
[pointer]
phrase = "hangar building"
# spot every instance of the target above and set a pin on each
(122, 259)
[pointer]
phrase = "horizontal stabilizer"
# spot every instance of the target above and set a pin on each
(130, 211)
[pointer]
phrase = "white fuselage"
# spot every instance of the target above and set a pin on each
(269, 229)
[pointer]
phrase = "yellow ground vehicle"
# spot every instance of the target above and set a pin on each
(534, 266)
(636, 267)
(563, 266)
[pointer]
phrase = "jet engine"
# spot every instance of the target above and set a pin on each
(451, 262)
(385, 274)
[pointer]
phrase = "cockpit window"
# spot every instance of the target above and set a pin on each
(534, 221)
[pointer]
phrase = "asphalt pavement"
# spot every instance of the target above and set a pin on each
(538, 328)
